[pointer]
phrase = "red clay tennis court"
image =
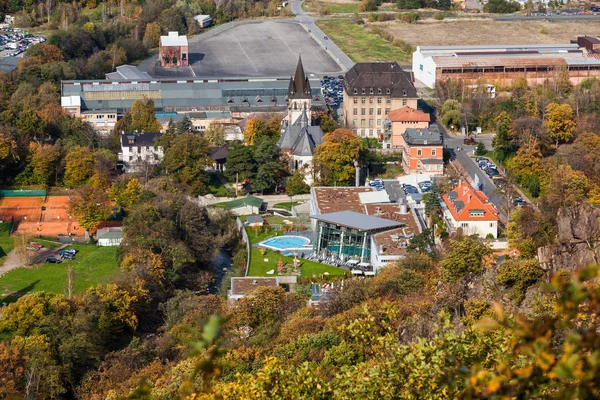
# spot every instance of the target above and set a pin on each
(37, 217)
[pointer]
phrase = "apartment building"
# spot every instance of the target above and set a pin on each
(103, 122)
(423, 151)
(138, 149)
(403, 118)
(371, 91)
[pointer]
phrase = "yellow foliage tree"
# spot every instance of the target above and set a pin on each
(560, 123)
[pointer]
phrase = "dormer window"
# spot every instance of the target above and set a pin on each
(387, 91)
(371, 91)
(363, 91)
(404, 93)
(355, 91)
(258, 99)
(379, 91)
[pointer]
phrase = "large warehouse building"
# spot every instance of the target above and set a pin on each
(501, 64)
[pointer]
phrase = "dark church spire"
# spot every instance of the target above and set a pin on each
(299, 84)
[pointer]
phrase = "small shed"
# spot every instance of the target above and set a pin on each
(246, 205)
(109, 236)
(254, 220)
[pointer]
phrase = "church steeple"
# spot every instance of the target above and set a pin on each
(299, 84)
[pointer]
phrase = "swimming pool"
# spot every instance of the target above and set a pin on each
(287, 243)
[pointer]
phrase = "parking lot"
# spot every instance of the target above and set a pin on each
(14, 42)
(265, 48)
(333, 89)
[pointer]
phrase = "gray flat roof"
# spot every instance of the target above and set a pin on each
(361, 222)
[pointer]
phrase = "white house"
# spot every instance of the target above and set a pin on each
(138, 148)
(470, 210)
(109, 236)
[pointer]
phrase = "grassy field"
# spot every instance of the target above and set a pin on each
(216, 187)
(259, 267)
(361, 45)
(286, 206)
(6, 242)
(479, 32)
(92, 264)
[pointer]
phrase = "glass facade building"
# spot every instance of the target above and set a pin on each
(347, 235)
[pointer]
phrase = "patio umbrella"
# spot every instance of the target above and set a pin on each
(280, 264)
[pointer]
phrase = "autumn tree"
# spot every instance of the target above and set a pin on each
(334, 158)
(152, 35)
(274, 126)
(215, 135)
(79, 166)
(327, 123)
(90, 206)
(255, 128)
(559, 120)
(518, 276)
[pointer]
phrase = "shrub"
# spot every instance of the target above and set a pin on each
(372, 17)
(518, 276)
(409, 17)
(367, 5)
(439, 16)
(480, 150)
(383, 17)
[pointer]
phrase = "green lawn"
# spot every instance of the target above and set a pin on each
(334, 8)
(259, 267)
(92, 264)
(6, 242)
(359, 44)
(286, 206)
(216, 187)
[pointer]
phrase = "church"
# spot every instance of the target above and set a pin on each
(300, 137)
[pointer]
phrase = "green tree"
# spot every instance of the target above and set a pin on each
(480, 150)
(409, 4)
(143, 117)
(240, 161)
(295, 185)
(501, 142)
(432, 201)
(90, 206)
(451, 113)
(501, 6)
(186, 160)
(274, 127)
(215, 135)
(560, 122)
(327, 123)
(184, 126)
(518, 276)
(465, 260)
(267, 176)
(79, 166)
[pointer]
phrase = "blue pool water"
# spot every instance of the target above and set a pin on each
(287, 243)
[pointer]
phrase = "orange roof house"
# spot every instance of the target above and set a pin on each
(404, 118)
(470, 210)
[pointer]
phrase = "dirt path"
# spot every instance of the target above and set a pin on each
(13, 260)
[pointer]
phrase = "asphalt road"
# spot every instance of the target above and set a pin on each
(308, 23)
(472, 169)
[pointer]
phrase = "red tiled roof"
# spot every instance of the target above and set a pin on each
(471, 200)
(407, 114)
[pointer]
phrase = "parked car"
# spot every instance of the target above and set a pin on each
(72, 251)
(410, 189)
(53, 260)
(33, 248)
(66, 256)
(519, 202)
(36, 244)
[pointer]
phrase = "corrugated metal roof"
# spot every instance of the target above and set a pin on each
(361, 222)
(473, 62)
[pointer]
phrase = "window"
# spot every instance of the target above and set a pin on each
(421, 67)
(184, 56)
(464, 224)
(419, 152)
(379, 111)
(403, 102)
(355, 111)
(387, 91)
(355, 91)
(379, 90)
(355, 100)
(363, 122)
(363, 91)
(370, 111)
(388, 101)
(130, 158)
(432, 152)
(370, 132)
(491, 224)
(370, 122)
(379, 100)
(370, 100)
(363, 111)
(378, 122)
(371, 91)
(174, 60)
(439, 167)
(100, 116)
(387, 110)
(139, 149)
(363, 100)
(354, 122)
(147, 148)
